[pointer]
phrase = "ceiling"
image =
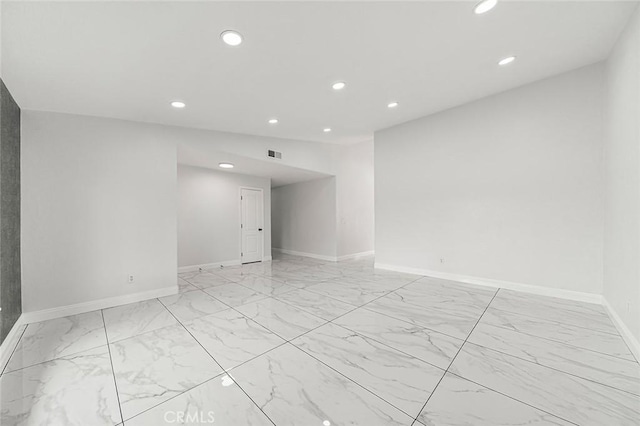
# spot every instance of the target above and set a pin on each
(202, 156)
(129, 60)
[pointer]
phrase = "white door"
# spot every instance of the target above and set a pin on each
(251, 225)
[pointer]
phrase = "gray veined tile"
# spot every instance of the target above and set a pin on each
(393, 278)
(285, 320)
(316, 303)
(571, 398)
(205, 280)
(605, 369)
(430, 346)
(47, 340)
(300, 279)
(366, 285)
(294, 389)
(218, 401)
(265, 285)
(580, 314)
(231, 273)
(153, 367)
(459, 402)
(443, 322)
(431, 292)
(235, 294)
(400, 379)
(184, 286)
(136, 318)
(193, 304)
(454, 288)
(439, 304)
(606, 343)
(355, 295)
(231, 338)
(73, 390)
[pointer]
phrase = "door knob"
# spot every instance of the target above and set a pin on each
(259, 229)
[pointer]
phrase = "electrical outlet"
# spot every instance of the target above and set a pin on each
(130, 279)
(441, 260)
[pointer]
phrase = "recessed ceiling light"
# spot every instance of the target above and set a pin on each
(326, 130)
(232, 38)
(338, 85)
(484, 6)
(178, 104)
(392, 104)
(273, 121)
(226, 165)
(507, 60)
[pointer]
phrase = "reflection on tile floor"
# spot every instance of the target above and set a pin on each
(299, 341)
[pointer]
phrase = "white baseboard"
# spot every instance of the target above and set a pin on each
(192, 268)
(267, 259)
(10, 342)
(356, 255)
(94, 305)
(629, 338)
(487, 282)
(303, 254)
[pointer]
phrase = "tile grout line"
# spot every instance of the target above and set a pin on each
(479, 384)
(214, 360)
(4, 368)
(562, 342)
(559, 322)
(513, 398)
(453, 359)
(556, 369)
(113, 371)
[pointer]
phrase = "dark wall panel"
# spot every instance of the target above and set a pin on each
(10, 275)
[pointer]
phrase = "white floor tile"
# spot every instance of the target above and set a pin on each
(569, 397)
(402, 380)
(231, 338)
(193, 304)
(435, 348)
(74, 390)
(218, 401)
(459, 402)
(136, 318)
(47, 340)
(155, 366)
(294, 389)
(285, 320)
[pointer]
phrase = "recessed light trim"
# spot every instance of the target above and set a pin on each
(326, 129)
(231, 38)
(273, 121)
(393, 104)
(178, 104)
(484, 6)
(506, 61)
(338, 85)
(226, 165)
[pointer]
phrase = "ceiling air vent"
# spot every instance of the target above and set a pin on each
(274, 154)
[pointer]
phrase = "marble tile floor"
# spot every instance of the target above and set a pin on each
(302, 342)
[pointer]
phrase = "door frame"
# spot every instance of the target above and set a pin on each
(240, 218)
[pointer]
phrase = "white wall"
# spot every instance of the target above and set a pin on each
(209, 215)
(506, 188)
(622, 178)
(355, 192)
(98, 204)
(303, 217)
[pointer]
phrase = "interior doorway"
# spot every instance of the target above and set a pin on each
(251, 225)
